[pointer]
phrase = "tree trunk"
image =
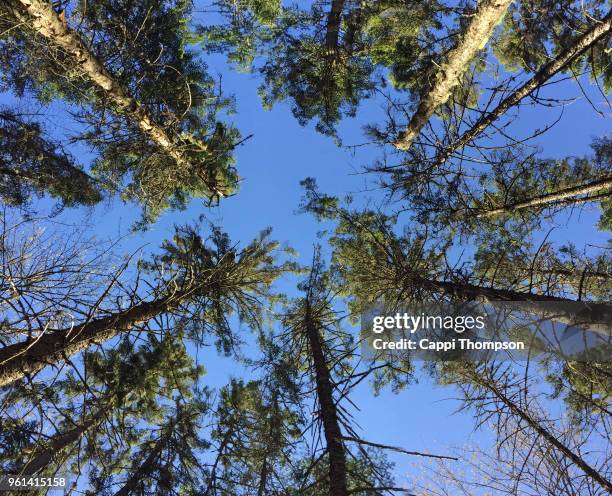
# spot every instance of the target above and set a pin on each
(58, 443)
(594, 317)
(334, 19)
(329, 414)
(488, 14)
(39, 14)
(541, 431)
(145, 468)
(583, 43)
(21, 359)
(212, 478)
(567, 196)
(263, 477)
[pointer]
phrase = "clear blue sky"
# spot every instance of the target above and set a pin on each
(272, 163)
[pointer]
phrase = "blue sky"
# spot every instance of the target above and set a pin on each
(272, 163)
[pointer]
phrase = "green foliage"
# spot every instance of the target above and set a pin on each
(143, 45)
(585, 388)
(256, 430)
(397, 35)
(32, 165)
(473, 199)
(325, 77)
(222, 280)
(534, 32)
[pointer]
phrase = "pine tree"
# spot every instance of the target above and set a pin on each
(324, 59)
(488, 14)
(192, 279)
(514, 186)
(255, 433)
(375, 263)
(99, 417)
(596, 33)
(31, 164)
(150, 105)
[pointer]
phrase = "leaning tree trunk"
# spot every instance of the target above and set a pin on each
(329, 415)
(211, 483)
(145, 468)
(543, 432)
(28, 357)
(598, 31)
(594, 317)
(568, 196)
(488, 14)
(57, 444)
(39, 14)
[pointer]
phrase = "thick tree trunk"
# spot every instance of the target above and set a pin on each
(21, 359)
(488, 14)
(329, 415)
(599, 30)
(594, 317)
(567, 196)
(544, 433)
(334, 19)
(57, 444)
(40, 15)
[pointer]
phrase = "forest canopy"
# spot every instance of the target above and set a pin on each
(203, 200)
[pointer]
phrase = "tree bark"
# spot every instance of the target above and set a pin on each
(567, 196)
(544, 433)
(547, 71)
(39, 14)
(58, 443)
(263, 477)
(27, 357)
(488, 14)
(594, 318)
(334, 19)
(329, 415)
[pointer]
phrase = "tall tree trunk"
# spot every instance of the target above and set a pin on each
(543, 432)
(27, 357)
(263, 477)
(145, 468)
(566, 196)
(595, 317)
(488, 14)
(39, 14)
(329, 414)
(212, 478)
(334, 19)
(598, 31)
(57, 444)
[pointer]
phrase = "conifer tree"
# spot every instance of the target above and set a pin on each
(190, 279)
(31, 164)
(324, 58)
(374, 263)
(150, 106)
(514, 186)
(570, 54)
(99, 414)
(488, 14)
